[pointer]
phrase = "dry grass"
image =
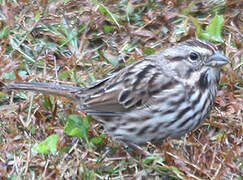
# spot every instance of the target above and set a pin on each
(75, 42)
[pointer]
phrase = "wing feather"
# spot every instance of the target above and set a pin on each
(128, 89)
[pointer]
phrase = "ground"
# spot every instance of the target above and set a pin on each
(78, 41)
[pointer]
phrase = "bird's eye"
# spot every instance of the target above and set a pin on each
(193, 56)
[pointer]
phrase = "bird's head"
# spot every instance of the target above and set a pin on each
(196, 60)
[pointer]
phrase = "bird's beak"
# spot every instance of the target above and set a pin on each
(217, 59)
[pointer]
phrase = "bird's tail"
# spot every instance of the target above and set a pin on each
(46, 88)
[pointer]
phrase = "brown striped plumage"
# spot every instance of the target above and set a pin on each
(165, 94)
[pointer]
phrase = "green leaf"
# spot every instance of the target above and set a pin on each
(105, 11)
(148, 51)
(198, 27)
(149, 159)
(71, 35)
(103, 135)
(77, 126)
(64, 75)
(214, 29)
(37, 15)
(15, 44)
(114, 60)
(218, 136)
(49, 145)
(65, 2)
(96, 140)
(22, 73)
(188, 9)
(108, 29)
(4, 31)
(2, 94)
(176, 170)
(129, 9)
(130, 61)
(47, 102)
(99, 139)
(128, 47)
(9, 75)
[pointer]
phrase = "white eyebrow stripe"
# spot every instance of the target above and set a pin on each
(213, 47)
(201, 50)
(202, 44)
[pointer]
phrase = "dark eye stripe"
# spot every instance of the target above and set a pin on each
(175, 58)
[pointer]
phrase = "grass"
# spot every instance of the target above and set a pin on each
(78, 42)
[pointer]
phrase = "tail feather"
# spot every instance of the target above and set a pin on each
(46, 88)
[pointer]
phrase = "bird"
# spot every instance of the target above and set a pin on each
(166, 94)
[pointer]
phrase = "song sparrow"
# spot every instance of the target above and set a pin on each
(165, 94)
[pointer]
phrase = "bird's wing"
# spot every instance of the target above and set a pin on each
(128, 89)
